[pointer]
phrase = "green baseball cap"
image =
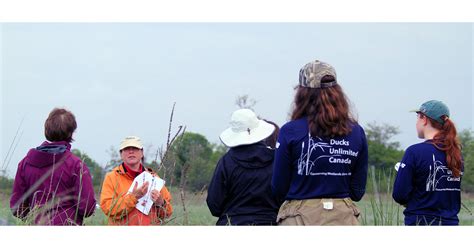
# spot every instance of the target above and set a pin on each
(433, 109)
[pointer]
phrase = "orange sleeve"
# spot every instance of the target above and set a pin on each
(115, 204)
(167, 209)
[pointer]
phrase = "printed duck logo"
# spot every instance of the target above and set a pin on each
(435, 169)
(305, 165)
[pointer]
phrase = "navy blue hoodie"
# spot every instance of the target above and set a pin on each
(240, 192)
(426, 186)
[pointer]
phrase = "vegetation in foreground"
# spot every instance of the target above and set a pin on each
(375, 211)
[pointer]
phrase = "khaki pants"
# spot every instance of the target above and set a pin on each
(320, 212)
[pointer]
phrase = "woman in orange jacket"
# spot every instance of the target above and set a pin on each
(115, 200)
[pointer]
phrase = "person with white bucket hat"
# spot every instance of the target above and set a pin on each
(321, 158)
(240, 192)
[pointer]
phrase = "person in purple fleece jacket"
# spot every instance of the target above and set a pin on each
(53, 186)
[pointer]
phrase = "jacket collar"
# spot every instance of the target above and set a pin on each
(123, 171)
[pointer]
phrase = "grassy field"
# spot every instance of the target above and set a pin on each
(196, 208)
(382, 211)
(385, 211)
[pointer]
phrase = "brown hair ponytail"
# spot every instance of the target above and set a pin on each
(446, 140)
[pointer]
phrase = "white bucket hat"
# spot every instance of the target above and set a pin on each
(245, 129)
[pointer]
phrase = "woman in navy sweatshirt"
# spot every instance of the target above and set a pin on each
(428, 181)
(320, 163)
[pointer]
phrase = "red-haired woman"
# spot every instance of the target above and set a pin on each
(428, 181)
(320, 163)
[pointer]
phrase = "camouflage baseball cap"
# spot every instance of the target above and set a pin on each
(312, 73)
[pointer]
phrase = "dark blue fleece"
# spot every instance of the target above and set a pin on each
(426, 186)
(319, 167)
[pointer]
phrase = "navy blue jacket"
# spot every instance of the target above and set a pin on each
(426, 186)
(240, 192)
(319, 167)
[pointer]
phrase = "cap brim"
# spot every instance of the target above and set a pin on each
(415, 110)
(232, 139)
(125, 146)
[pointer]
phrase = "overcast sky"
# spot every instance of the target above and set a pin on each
(122, 79)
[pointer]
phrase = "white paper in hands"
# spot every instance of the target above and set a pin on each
(145, 203)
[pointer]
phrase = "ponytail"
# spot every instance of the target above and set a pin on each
(446, 140)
